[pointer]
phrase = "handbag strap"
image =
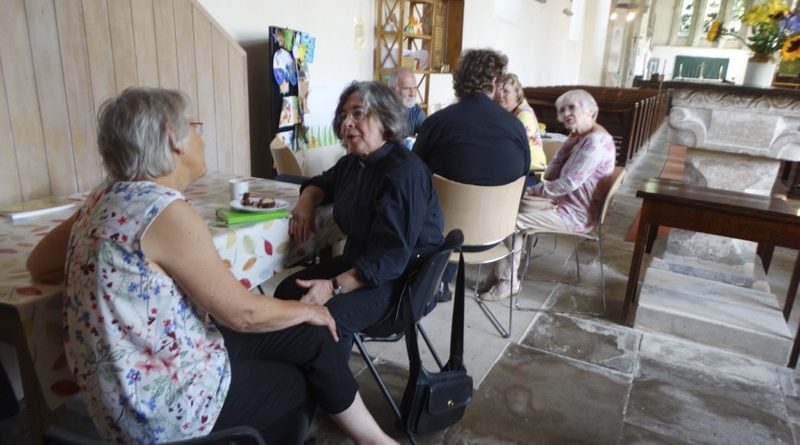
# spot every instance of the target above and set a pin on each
(456, 359)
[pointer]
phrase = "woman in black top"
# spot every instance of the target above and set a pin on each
(383, 200)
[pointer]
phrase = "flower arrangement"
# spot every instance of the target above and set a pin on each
(773, 27)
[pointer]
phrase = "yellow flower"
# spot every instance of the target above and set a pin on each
(791, 48)
(766, 13)
(713, 31)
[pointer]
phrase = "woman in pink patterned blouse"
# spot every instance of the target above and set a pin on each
(575, 184)
(143, 282)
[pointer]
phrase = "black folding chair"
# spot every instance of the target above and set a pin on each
(419, 291)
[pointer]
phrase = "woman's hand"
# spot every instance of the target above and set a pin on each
(320, 316)
(302, 223)
(319, 291)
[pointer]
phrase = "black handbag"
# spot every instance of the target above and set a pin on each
(433, 401)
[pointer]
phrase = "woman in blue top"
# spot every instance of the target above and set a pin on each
(383, 200)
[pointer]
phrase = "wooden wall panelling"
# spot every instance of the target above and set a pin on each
(240, 129)
(165, 44)
(144, 42)
(47, 69)
(59, 60)
(98, 47)
(78, 85)
(122, 46)
(205, 86)
(9, 176)
(222, 101)
(184, 42)
(23, 106)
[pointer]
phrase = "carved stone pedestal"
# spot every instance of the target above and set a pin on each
(736, 138)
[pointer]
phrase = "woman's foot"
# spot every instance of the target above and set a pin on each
(487, 283)
(500, 291)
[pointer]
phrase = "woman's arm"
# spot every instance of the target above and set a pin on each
(302, 222)
(179, 242)
(581, 164)
(46, 261)
(320, 291)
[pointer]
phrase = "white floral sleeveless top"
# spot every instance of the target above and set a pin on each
(151, 364)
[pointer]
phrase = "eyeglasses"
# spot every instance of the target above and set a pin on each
(358, 114)
(198, 127)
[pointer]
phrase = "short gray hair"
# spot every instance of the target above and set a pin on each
(380, 101)
(132, 132)
(582, 98)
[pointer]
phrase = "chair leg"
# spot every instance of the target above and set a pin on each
(430, 346)
(504, 332)
(602, 281)
(382, 386)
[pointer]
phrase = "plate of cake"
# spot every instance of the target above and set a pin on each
(258, 204)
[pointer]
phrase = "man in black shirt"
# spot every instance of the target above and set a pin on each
(474, 141)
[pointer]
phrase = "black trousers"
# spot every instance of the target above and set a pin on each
(278, 377)
(353, 311)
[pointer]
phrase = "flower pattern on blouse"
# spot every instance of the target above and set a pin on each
(152, 366)
(577, 178)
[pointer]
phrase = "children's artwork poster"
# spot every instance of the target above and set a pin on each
(290, 113)
(303, 49)
(284, 67)
(288, 138)
(302, 96)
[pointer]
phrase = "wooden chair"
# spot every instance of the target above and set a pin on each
(595, 235)
(486, 215)
(285, 161)
(550, 148)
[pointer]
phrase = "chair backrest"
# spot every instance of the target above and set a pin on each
(285, 160)
(318, 159)
(616, 180)
(485, 214)
(422, 283)
(550, 148)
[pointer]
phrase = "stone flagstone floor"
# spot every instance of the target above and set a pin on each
(566, 379)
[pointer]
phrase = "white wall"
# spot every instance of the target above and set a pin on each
(537, 45)
(536, 39)
(594, 41)
(736, 65)
(337, 59)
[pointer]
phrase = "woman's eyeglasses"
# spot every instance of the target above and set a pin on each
(198, 127)
(357, 114)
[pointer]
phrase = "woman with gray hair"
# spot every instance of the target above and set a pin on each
(383, 200)
(163, 341)
(571, 195)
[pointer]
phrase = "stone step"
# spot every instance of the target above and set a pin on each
(714, 272)
(732, 318)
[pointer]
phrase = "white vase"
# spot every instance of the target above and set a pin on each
(760, 71)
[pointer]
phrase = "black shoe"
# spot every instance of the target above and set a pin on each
(444, 295)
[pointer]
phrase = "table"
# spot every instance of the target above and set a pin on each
(30, 313)
(767, 220)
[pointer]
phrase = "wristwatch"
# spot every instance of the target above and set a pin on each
(337, 289)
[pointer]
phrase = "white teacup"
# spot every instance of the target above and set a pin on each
(238, 188)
